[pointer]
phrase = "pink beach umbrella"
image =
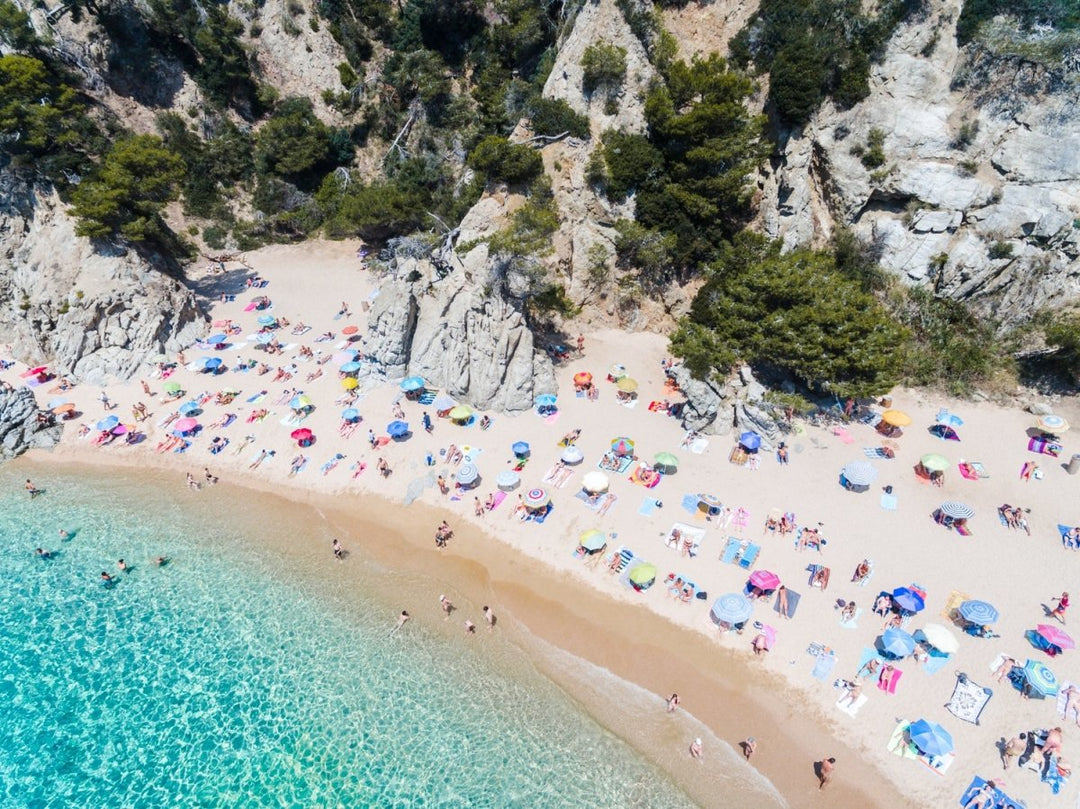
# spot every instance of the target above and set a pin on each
(764, 580)
(770, 636)
(120, 429)
(1055, 636)
(185, 425)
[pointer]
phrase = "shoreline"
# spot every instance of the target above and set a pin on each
(733, 702)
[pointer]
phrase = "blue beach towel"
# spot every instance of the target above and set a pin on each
(888, 502)
(690, 503)
(648, 506)
(749, 556)
(868, 654)
(935, 663)
(826, 661)
(731, 551)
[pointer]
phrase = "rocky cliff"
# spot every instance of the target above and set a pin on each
(19, 430)
(88, 312)
(976, 192)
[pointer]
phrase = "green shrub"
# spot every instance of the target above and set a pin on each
(1000, 249)
(1063, 15)
(874, 155)
(531, 228)
(603, 68)
(646, 250)
(501, 161)
(293, 142)
(1063, 335)
(214, 237)
(553, 116)
(632, 162)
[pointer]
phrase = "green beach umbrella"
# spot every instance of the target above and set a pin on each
(643, 574)
(171, 387)
(934, 462)
(666, 459)
(460, 413)
(593, 539)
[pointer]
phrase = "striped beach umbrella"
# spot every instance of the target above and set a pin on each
(508, 480)
(622, 446)
(1053, 424)
(979, 612)
(732, 608)
(537, 498)
(956, 510)
(468, 474)
(1042, 681)
(860, 473)
(572, 455)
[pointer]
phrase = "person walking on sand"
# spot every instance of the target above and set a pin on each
(105, 401)
(749, 746)
(489, 616)
(825, 771)
(696, 749)
(146, 388)
(339, 552)
(447, 607)
(191, 482)
(1062, 605)
(672, 703)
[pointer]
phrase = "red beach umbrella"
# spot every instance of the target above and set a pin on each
(350, 330)
(582, 378)
(302, 434)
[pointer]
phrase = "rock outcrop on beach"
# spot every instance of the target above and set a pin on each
(19, 428)
(975, 194)
(434, 320)
(88, 311)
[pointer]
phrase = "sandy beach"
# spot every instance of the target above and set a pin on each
(537, 584)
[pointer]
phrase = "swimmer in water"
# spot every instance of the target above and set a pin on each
(106, 579)
(43, 554)
(401, 621)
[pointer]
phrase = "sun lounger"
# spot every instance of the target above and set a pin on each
(731, 551)
(749, 556)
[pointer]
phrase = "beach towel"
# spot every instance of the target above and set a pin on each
(979, 787)
(258, 397)
(843, 435)
(731, 551)
(699, 445)
(1063, 700)
(497, 499)
(749, 556)
(590, 501)
(823, 666)
(629, 404)
(741, 519)
(935, 663)
(956, 598)
(968, 699)
(868, 653)
(1067, 540)
(878, 452)
(898, 743)
(980, 470)
(792, 603)
(851, 709)
(854, 622)
(648, 506)
(888, 502)
(687, 532)
(889, 685)
(690, 503)
(539, 517)
(554, 417)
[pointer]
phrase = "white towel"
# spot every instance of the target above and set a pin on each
(851, 709)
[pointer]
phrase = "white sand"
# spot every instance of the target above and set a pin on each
(1015, 572)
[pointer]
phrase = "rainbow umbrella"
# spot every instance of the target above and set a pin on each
(412, 383)
(537, 498)
(592, 540)
(764, 580)
(622, 446)
(1055, 636)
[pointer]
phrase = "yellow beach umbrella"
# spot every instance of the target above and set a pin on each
(593, 539)
(934, 462)
(460, 413)
(349, 383)
(897, 418)
(627, 384)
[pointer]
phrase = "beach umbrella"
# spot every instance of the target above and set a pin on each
(266, 320)
(342, 357)
(750, 440)
(55, 402)
(350, 414)
(120, 429)
(67, 407)
(770, 636)
(732, 608)
(1052, 424)
(1040, 678)
(300, 401)
(643, 575)
(627, 385)
(958, 511)
(860, 473)
(941, 638)
(934, 462)
(930, 737)
(209, 363)
(508, 479)
(185, 425)
(215, 339)
(350, 330)
(107, 423)
(582, 378)
(350, 367)
(666, 459)
(979, 612)
(264, 338)
(520, 449)
(546, 400)
(764, 580)
(537, 498)
(622, 446)
(412, 383)
(710, 501)
(897, 642)
(468, 474)
(35, 371)
(461, 413)
(617, 371)
(897, 418)
(442, 402)
(171, 387)
(595, 482)
(396, 429)
(572, 455)
(187, 408)
(301, 434)
(349, 383)
(1055, 636)
(593, 539)
(907, 599)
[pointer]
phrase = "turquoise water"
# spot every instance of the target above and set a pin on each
(229, 678)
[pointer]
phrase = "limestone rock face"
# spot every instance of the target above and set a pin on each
(705, 410)
(88, 314)
(979, 150)
(19, 430)
(460, 335)
(749, 417)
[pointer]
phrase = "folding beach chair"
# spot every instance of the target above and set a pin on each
(749, 556)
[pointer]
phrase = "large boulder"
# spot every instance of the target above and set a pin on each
(19, 429)
(91, 311)
(749, 417)
(704, 403)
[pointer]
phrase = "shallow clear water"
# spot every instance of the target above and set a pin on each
(224, 679)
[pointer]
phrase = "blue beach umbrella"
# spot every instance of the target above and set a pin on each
(396, 429)
(266, 320)
(750, 440)
(468, 474)
(931, 738)
(215, 339)
(300, 402)
(187, 408)
(732, 608)
(1040, 678)
(897, 642)
(546, 400)
(209, 363)
(350, 414)
(350, 368)
(412, 383)
(107, 423)
(907, 599)
(979, 612)
(593, 540)
(520, 449)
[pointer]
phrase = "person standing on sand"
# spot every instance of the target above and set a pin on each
(489, 616)
(1058, 611)
(672, 703)
(146, 388)
(825, 771)
(696, 749)
(749, 746)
